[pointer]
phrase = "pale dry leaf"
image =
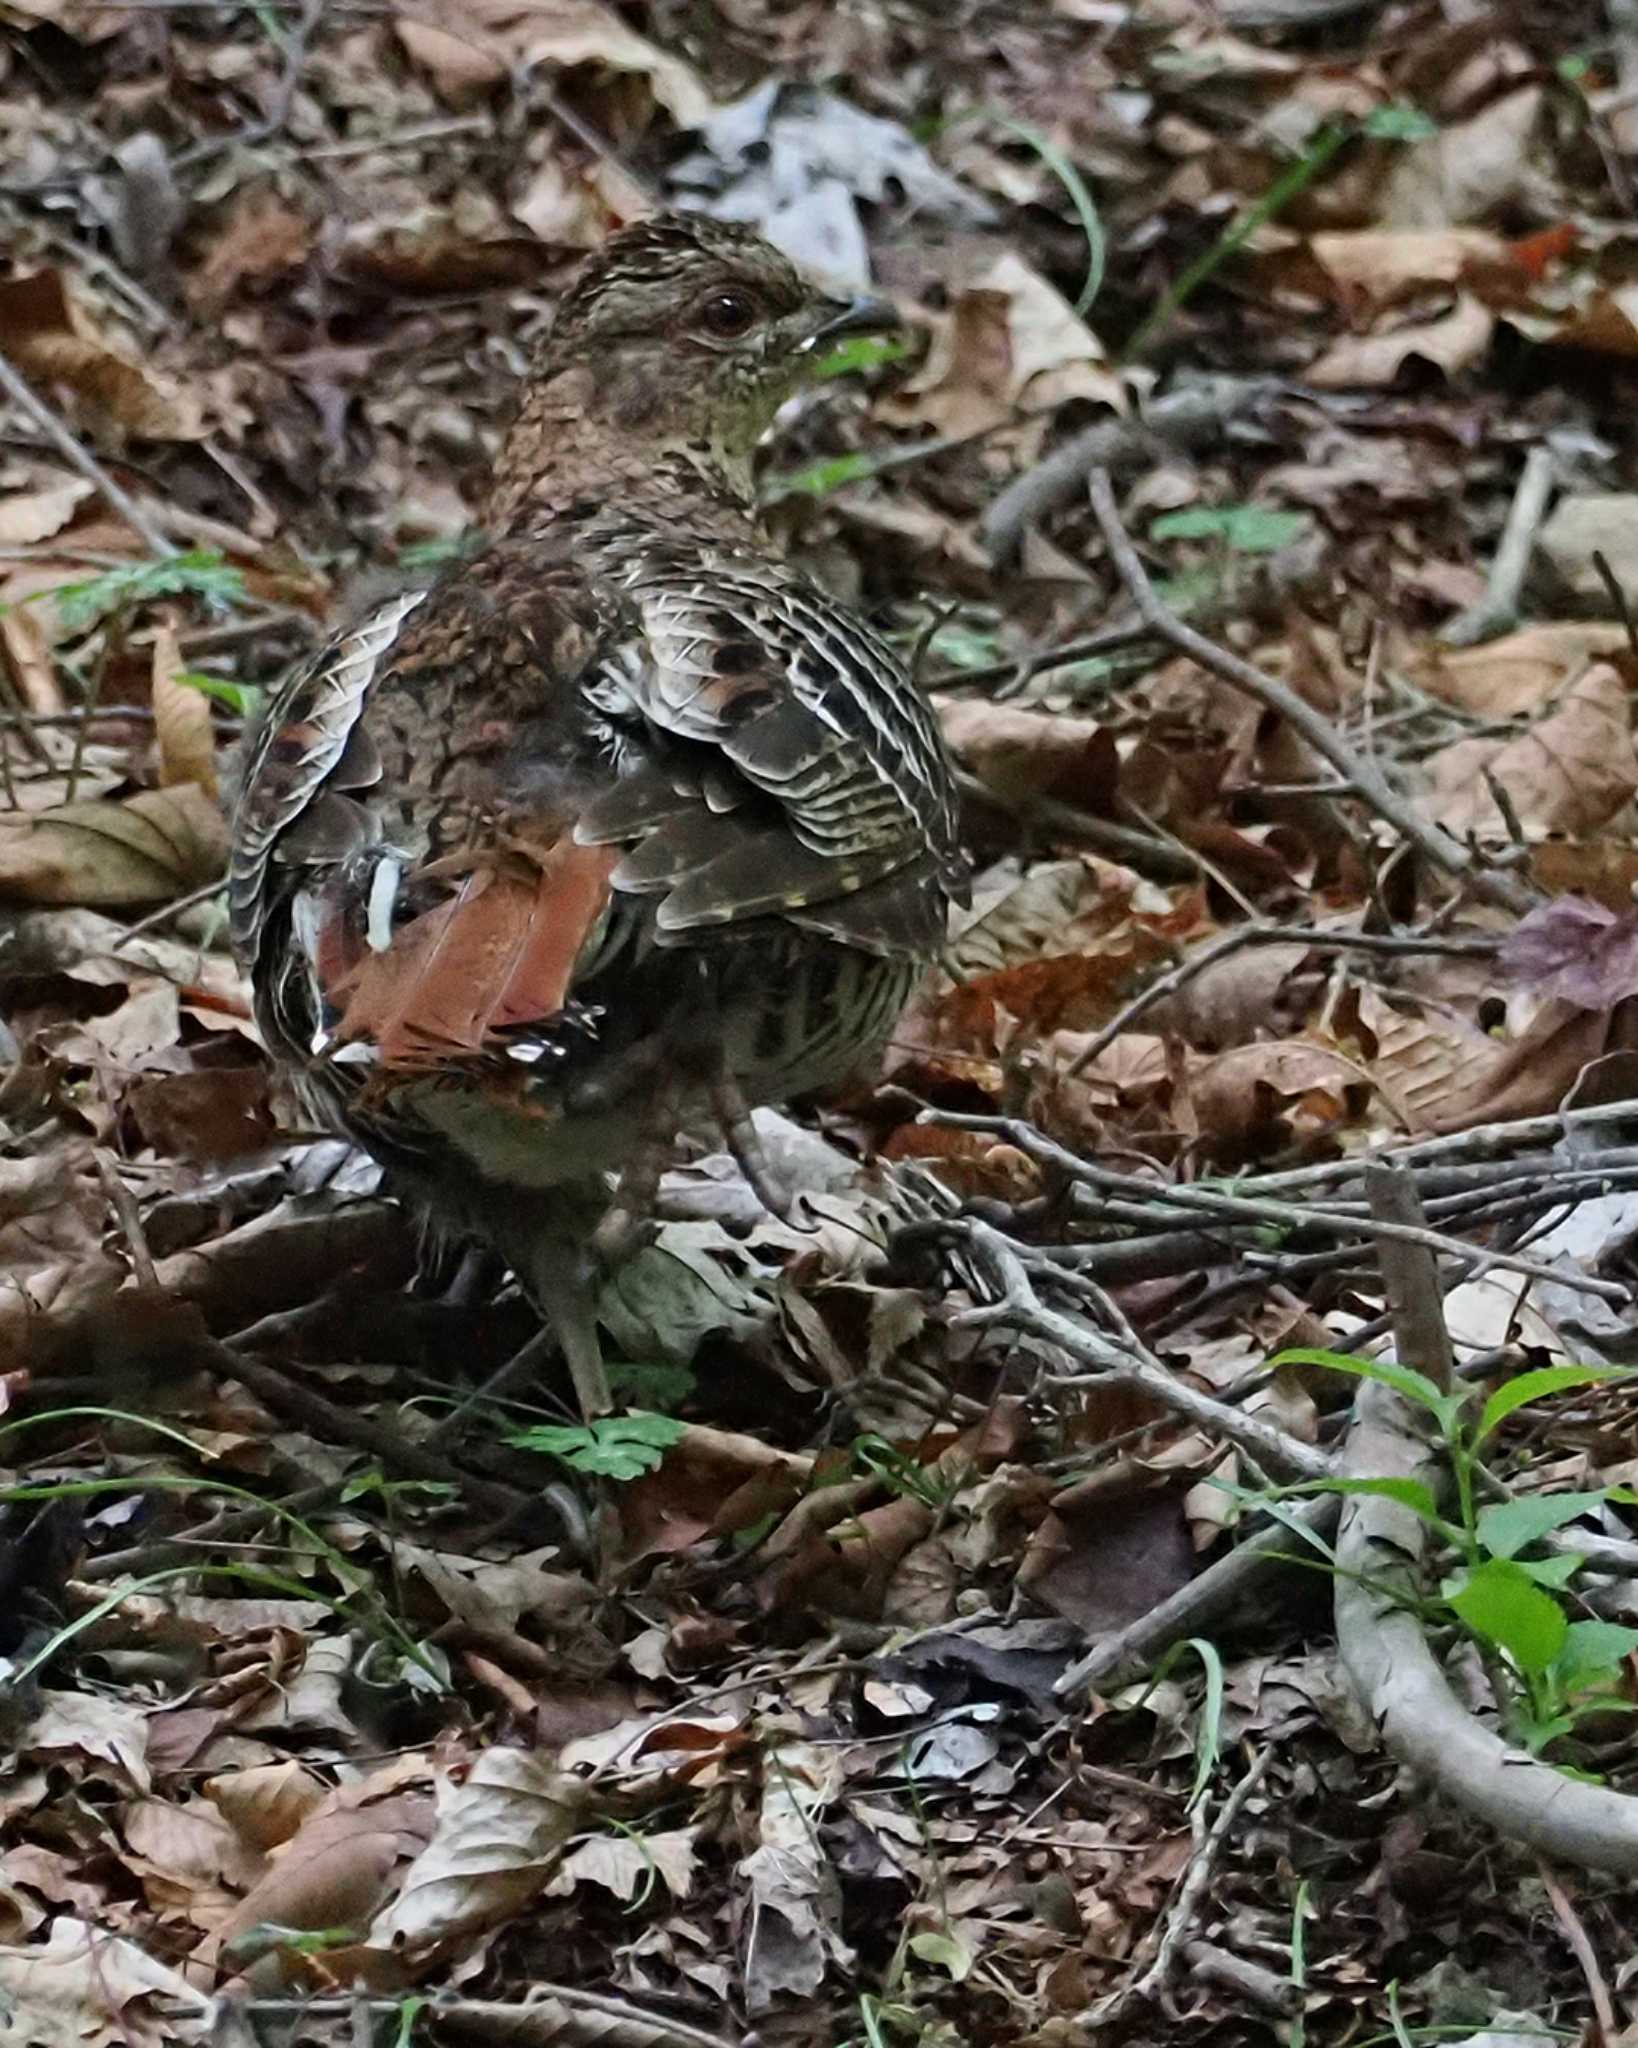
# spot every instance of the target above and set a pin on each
(56, 345)
(88, 1989)
(1011, 343)
(28, 516)
(1423, 1054)
(1452, 343)
(1570, 773)
(182, 721)
(473, 43)
(1468, 169)
(1518, 673)
(265, 1804)
(795, 1913)
(155, 846)
(28, 659)
(1375, 266)
(496, 1840)
(1588, 523)
(631, 1864)
(1019, 753)
(85, 1725)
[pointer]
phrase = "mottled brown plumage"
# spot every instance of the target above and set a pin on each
(620, 826)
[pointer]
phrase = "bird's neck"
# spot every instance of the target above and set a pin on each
(569, 446)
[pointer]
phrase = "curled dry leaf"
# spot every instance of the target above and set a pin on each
(1570, 773)
(37, 513)
(1020, 753)
(98, 1990)
(1010, 343)
(56, 344)
(1467, 170)
(495, 1842)
(1375, 266)
(1521, 671)
(182, 721)
(1452, 343)
(1576, 950)
(151, 848)
(479, 43)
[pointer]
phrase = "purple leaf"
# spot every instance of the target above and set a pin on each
(1576, 950)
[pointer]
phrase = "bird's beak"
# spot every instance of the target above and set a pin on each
(864, 315)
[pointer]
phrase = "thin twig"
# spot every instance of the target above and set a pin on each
(1437, 846)
(1196, 963)
(1498, 610)
(1241, 1208)
(283, 95)
(119, 500)
(1019, 1307)
(1209, 1844)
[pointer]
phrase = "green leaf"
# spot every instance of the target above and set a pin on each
(1592, 1652)
(200, 573)
(656, 1383)
(1248, 529)
(821, 477)
(1510, 1526)
(942, 1949)
(1555, 1573)
(1399, 123)
(1498, 1602)
(244, 698)
(614, 1447)
(422, 555)
(1415, 1386)
(862, 352)
(1537, 1386)
(1410, 1493)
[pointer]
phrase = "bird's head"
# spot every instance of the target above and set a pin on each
(694, 331)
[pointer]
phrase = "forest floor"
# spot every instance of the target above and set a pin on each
(765, 1711)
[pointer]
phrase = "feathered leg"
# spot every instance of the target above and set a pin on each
(548, 1241)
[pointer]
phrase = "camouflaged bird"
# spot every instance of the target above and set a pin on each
(622, 826)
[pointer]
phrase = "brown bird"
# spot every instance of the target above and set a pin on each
(623, 825)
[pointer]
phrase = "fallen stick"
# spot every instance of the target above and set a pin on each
(1436, 845)
(1498, 610)
(1423, 1724)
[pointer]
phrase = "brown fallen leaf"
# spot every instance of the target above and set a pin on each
(1020, 753)
(1570, 773)
(37, 513)
(1290, 1086)
(1372, 267)
(1452, 343)
(182, 722)
(261, 237)
(1521, 671)
(56, 344)
(149, 849)
(1469, 169)
(1010, 343)
(469, 45)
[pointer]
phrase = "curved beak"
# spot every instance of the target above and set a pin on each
(863, 315)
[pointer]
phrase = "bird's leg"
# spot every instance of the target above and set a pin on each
(629, 1225)
(729, 1107)
(547, 1241)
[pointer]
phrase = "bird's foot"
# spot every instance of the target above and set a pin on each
(733, 1113)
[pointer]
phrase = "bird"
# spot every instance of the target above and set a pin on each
(619, 827)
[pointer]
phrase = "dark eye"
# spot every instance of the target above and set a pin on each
(727, 315)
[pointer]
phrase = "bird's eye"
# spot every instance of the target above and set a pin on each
(728, 315)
